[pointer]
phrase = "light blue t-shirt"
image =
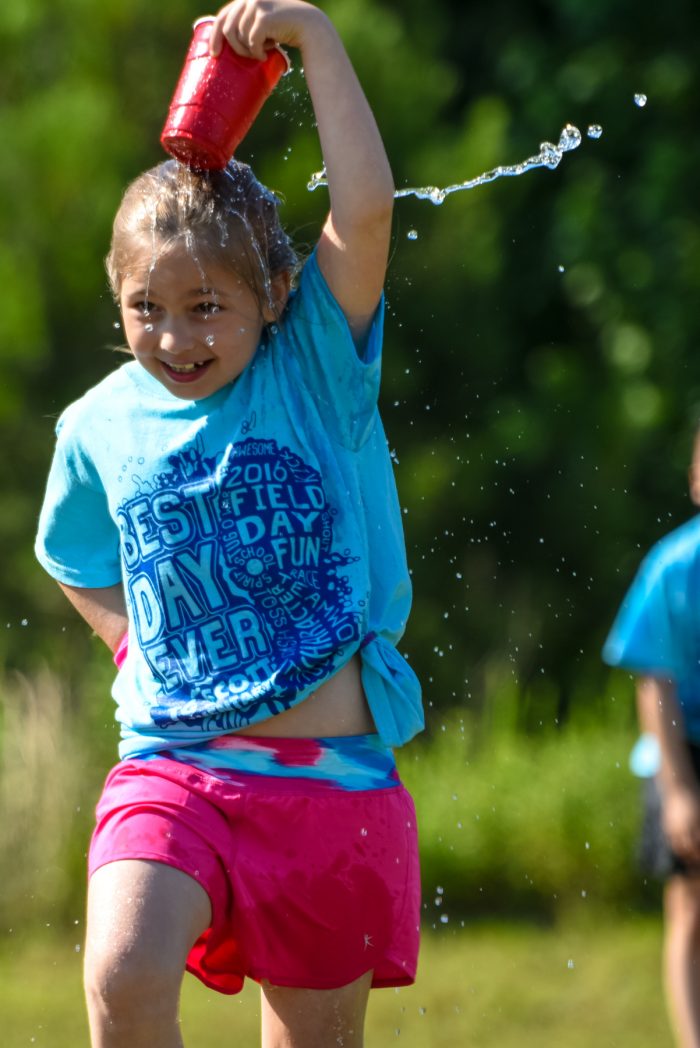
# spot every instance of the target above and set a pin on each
(657, 629)
(257, 533)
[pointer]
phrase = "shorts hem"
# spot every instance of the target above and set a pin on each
(227, 987)
(334, 984)
(386, 984)
(231, 983)
(405, 976)
(155, 857)
(306, 984)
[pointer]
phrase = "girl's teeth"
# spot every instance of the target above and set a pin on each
(185, 367)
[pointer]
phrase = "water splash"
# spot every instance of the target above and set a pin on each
(549, 156)
(640, 100)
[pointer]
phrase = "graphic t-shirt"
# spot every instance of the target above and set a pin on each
(657, 629)
(257, 533)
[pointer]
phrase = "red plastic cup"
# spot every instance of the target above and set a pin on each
(216, 100)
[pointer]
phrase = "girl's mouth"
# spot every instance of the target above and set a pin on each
(186, 372)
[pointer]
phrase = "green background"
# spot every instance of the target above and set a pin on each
(541, 387)
(541, 378)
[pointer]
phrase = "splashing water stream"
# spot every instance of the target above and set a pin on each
(549, 156)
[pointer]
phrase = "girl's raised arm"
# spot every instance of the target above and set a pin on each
(354, 245)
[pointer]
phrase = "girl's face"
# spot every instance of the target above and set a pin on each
(193, 327)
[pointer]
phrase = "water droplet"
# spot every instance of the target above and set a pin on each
(550, 155)
(148, 327)
(444, 918)
(640, 100)
(210, 340)
(317, 179)
(570, 964)
(561, 269)
(116, 325)
(363, 832)
(570, 138)
(594, 131)
(412, 234)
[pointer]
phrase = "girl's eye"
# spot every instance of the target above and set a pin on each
(209, 308)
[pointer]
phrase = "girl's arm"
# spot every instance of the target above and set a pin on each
(354, 245)
(659, 714)
(103, 609)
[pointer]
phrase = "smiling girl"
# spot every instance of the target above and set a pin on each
(222, 511)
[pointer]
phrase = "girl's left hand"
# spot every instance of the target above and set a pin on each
(253, 27)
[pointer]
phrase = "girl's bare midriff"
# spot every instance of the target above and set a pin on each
(338, 707)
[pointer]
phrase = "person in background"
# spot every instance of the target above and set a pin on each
(656, 636)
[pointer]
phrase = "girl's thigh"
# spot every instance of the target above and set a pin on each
(144, 915)
(298, 1018)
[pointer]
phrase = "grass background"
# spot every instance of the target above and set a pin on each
(507, 985)
(538, 929)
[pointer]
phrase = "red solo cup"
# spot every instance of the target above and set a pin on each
(217, 99)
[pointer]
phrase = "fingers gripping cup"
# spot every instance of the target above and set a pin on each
(216, 100)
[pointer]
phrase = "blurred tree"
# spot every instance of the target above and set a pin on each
(540, 375)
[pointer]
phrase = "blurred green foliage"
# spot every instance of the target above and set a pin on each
(541, 378)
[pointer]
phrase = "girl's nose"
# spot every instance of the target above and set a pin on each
(174, 336)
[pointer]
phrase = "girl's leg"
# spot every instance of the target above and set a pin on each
(294, 1018)
(143, 917)
(682, 957)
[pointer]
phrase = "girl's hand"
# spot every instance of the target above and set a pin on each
(354, 245)
(253, 27)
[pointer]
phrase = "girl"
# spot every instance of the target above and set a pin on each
(226, 499)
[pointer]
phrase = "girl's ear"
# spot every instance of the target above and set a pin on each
(280, 286)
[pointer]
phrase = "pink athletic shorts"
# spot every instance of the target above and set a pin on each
(310, 885)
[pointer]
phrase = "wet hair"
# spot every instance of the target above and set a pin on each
(225, 216)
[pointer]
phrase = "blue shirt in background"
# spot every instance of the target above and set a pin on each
(657, 629)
